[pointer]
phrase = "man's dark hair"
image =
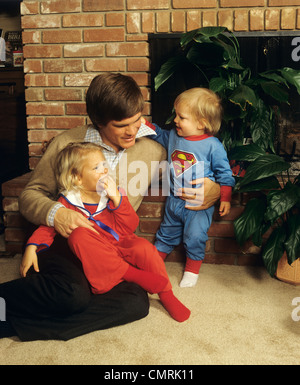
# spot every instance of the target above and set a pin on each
(113, 97)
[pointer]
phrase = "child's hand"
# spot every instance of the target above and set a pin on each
(224, 208)
(29, 259)
(111, 189)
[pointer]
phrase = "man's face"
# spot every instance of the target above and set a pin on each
(121, 134)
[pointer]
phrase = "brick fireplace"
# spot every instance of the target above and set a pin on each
(68, 42)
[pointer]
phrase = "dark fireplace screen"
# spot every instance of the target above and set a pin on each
(260, 52)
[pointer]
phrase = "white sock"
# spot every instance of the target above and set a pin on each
(189, 279)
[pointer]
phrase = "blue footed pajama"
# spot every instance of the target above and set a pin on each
(190, 158)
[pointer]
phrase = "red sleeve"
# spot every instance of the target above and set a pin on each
(226, 192)
(150, 125)
(126, 219)
(42, 237)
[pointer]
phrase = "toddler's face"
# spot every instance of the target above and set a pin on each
(102, 168)
(94, 168)
(186, 123)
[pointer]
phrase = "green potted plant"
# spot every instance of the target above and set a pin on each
(272, 218)
(210, 57)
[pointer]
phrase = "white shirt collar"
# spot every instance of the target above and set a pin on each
(145, 131)
(74, 198)
(113, 158)
(94, 135)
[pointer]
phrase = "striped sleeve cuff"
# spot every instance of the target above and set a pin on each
(52, 213)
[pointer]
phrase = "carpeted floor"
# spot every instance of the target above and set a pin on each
(240, 316)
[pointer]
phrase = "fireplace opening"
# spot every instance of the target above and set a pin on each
(260, 52)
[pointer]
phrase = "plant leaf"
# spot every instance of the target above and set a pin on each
(248, 152)
(276, 91)
(274, 77)
(262, 127)
(244, 96)
(264, 166)
(274, 249)
(269, 183)
(188, 37)
(228, 46)
(217, 84)
(292, 245)
(205, 32)
(168, 69)
(206, 54)
(279, 202)
(234, 65)
(257, 236)
(212, 31)
(250, 221)
(292, 76)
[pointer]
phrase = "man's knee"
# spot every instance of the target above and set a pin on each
(137, 306)
(74, 299)
(64, 285)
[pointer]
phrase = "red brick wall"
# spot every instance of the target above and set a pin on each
(68, 42)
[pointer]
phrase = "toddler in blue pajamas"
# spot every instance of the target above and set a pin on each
(193, 153)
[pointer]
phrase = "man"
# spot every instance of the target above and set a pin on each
(56, 302)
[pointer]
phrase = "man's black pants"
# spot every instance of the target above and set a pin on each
(57, 303)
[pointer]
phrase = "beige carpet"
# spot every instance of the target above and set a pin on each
(239, 316)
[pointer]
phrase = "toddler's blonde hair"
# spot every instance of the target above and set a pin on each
(69, 164)
(204, 105)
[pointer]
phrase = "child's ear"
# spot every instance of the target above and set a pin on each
(76, 180)
(201, 124)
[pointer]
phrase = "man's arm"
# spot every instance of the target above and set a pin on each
(67, 220)
(38, 197)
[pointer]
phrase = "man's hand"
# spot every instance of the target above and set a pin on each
(67, 220)
(200, 198)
